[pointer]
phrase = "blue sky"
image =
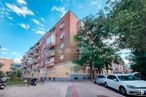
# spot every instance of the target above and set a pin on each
(24, 22)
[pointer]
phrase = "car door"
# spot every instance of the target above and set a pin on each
(109, 80)
(114, 82)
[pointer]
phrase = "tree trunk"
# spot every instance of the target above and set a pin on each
(107, 70)
(91, 71)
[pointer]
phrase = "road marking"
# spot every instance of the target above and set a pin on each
(74, 91)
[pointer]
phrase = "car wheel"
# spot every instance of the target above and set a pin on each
(123, 90)
(105, 84)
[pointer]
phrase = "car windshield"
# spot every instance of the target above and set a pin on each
(101, 76)
(127, 78)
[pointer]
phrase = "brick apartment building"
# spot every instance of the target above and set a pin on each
(6, 64)
(53, 55)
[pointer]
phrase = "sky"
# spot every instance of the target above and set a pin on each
(24, 22)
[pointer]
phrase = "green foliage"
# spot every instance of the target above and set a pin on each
(139, 61)
(92, 48)
(2, 74)
(127, 19)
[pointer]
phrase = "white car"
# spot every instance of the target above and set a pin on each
(100, 79)
(126, 84)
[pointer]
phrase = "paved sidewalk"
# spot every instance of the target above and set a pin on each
(89, 89)
(57, 89)
(60, 89)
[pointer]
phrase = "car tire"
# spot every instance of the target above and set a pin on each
(105, 84)
(123, 90)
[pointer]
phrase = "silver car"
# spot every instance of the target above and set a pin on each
(100, 79)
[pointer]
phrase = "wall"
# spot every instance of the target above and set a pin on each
(7, 64)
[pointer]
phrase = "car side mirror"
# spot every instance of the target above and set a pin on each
(116, 80)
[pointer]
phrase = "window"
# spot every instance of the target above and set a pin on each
(61, 25)
(62, 35)
(51, 39)
(62, 45)
(61, 57)
(51, 59)
(111, 77)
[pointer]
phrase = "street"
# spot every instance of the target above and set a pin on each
(60, 89)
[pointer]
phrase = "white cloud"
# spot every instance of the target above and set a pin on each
(37, 22)
(40, 32)
(4, 49)
(19, 10)
(24, 26)
(15, 53)
(94, 3)
(22, 2)
(43, 19)
(59, 9)
(17, 60)
(10, 53)
(10, 18)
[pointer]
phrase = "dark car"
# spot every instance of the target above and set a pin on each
(33, 81)
(2, 84)
(140, 75)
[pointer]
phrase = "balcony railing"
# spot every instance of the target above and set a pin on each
(49, 64)
(49, 45)
(50, 53)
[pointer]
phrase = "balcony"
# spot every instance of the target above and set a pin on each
(35, 60)
(50, 41)
(50, 53)
(49, 45)
(49, 64)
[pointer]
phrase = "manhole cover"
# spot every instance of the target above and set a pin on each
(102, 96)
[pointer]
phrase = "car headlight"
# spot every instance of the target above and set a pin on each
(132, 87)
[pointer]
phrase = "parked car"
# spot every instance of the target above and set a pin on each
(34, 81)
(100, 79)
(2, 84)
(139, 75)
(126, 84)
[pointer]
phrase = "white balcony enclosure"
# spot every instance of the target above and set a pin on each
(51, 39)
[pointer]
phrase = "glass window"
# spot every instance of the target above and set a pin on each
(62, 35)
(112, 77)
(61, 57)
(101, 76)
(61, 25)
(127, 78)
(51, 59)
(51, 39)
(62, 45)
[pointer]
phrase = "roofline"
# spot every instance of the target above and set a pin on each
(56, 24)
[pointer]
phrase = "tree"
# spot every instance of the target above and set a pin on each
(1, 73)
(93, 50)
(139, 61)
(127, 19)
